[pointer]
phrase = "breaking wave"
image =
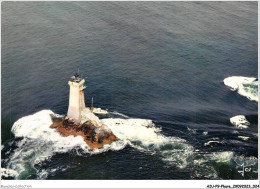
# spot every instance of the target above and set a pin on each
(239, 121)
(142, 134)
(245, 86)
(37, 143)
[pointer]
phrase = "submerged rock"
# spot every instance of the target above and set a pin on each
(95, 135)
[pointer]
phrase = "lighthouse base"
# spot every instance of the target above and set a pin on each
(95, 135)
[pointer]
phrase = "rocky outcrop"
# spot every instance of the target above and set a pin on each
(95, 135)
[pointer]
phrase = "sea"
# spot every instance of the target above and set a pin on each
(179, 80)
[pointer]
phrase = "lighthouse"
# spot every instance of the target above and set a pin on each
(76, 98)
(80, 120)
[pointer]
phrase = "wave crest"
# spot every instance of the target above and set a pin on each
(239, 121)
(245, 86)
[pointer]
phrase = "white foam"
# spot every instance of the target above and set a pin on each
(2, 147)
(8, 173)
(207, 169)
(114, 146)
(205, 133)
(143, 135)
(43, 173)
(221, 156)
(245, 86)
(239, 121)
(249, 90)
(137, 130)
(36, 127)
(194, 131)
(246, 161)
(234, 81)
(244, 138)
(209, 142)
(203, 162)
(39, 141)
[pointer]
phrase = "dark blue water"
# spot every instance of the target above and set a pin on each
(161, 61)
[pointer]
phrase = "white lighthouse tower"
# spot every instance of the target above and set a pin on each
(76, 99)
